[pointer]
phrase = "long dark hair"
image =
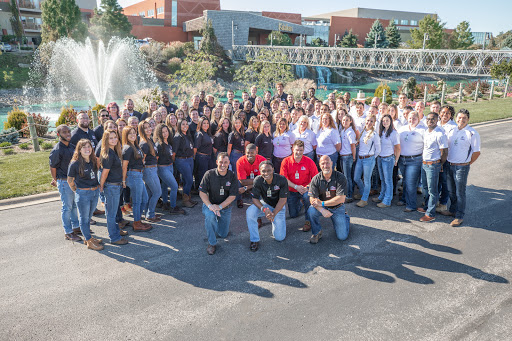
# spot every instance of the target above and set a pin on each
(180, 132)
(241, 132)
(146, 138)
(158, 136)
(381, 126)
(77, 156)
(200, 125)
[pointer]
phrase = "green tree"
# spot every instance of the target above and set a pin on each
(502, 70)
(501, 37)
(319, 42)
(15, 21)
(61, 18)
(377, 30)
(109, 21)
(379, 92)
(279, 39)
(392, 35)
(209, 43)
(435, 30)
(268, 68)
(507, 42)
(348, 40)
(461, 38)
(196, 68)
(409, 87)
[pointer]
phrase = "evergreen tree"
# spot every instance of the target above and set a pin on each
(15, 21)
(349, 39)
(435, 30)
(61, 18)
(392, 35)
(318, 42)
(461, 38)
(377, 30)
(209, 43)
(109, 21)
(507, 42)
(279, 39)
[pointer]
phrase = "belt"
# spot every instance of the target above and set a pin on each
(202, 154)
(410, 157)
(135, 170)
(150, 166)
(365, 157)
(165, 165)
(89, 189)
(62, 179)
(346, 155)
(431, 162)
(183, 157)
(114, 183)
(385, 157)
(459, 164)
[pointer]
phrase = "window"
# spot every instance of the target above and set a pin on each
(151, 12)
(404, 22)
(142, 14)
(159, 10)
(396, 21)
(414, 22)
(174, 13)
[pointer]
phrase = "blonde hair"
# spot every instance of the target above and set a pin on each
(278, 131)
(304, 118)
(370, 132)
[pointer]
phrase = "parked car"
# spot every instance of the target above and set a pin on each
(5, 47)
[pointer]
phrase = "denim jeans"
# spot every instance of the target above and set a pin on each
(203, 164)
(295, 203)
(340, 221)
(375, 176)
(430, 182)
(102, 195)
(233, 158)
(411, 172)
(86, 201)
(333, 157)
(186, 168)
(386, 166)
(444, 195)
(112, 196)
(457, 181)
(69, 212)
(347, 163)
(311, 155)
(153, 188)
(364, 167)
(216, 226)
(138, 192)
(278, 225)
(166, 175)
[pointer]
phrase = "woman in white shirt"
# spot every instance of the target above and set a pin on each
(348, 153)
(283, 141)
(369, 148)
(447, 124)
(410, 162)
(306, 135)
(328, 139)
(387, 160)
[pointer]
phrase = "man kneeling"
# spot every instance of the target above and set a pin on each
(327, 197)
(269, 193)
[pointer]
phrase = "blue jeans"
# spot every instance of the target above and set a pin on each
(138, 192)
(364, 167)
(340, 221)
(333, 157)
(444, 195)
(186, 168)
(295, 203)
(311, 155)
(411, 172)
(216, 226)
(457, 181)
(203, 164)
(278, 225)
(430, 182)
(86, 201)
(112, 196)
(347, 162)
(153, 188)
(166, 174)
(375, 176)
(69, 213)
(386, 165)
(233, 158)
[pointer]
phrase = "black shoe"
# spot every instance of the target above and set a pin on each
(159, 203)
(176, 210)
(254, 246)
(166, 206)
(73, 237)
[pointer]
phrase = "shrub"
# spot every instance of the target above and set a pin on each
(23, 145)
(15, 119)
(433, 97)
(98, 107)
(209, 87)
(42, 124)
(420, 89)
(297, 86)
(46, 145)
(469, 87)
(177, 49)
(409, 87)
(5, 144)
(8, 151)
(174, 65)
(142, 98)
(67, 116)
(8, 135)
(153, 53)
(379, 92)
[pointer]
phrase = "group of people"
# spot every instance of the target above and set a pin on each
(301, 153)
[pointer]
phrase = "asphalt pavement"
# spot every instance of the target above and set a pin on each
(395, 278)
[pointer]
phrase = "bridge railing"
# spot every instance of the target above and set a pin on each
(454, 62)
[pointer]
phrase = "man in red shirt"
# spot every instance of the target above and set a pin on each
(298, 169)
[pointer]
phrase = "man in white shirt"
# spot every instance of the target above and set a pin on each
(359, 117)
(402, 103)
(314, 120)
(463, 150)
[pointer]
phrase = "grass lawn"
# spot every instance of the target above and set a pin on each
(484, 110)
(24, 174)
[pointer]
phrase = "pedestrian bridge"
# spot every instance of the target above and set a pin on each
(453, 62)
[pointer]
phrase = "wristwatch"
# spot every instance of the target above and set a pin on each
(245, 188)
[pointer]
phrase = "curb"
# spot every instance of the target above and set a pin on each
(503, 120)
(29, 200)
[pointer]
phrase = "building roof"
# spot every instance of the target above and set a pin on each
(362, 12)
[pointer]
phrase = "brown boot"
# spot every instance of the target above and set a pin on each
(91, 244)
(140, 227)
(187, 202)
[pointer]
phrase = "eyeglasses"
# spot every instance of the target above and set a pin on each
(104, 116)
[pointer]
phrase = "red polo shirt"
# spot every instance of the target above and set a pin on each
(244, 168)
(299, 173)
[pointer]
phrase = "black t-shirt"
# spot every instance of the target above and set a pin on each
(219, 187)
(265, 145)
(113, 163)
(253, 100)
(202, 104)
(183, 146)
(128, 155)
(60, 157)
(220, 141)
(144, 115)
(270, 193)
(171, 108)
(237, 140)
(77, 134)
(98, 132)
(98, 150)
(213, 127)
(192, 127)
(249, 114)
(326, 190)
(89, 178)
(164, 152)
(250, 136)
(283, 97)
(266, 104)
(203, 143)
(150, 159)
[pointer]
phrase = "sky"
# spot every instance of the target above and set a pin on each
(483, 16)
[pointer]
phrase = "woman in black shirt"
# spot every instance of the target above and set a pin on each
(220, 140)
(83, 180)
(150, 174)
(263, 142)
(252, 130)
(236, 148)
(183, 152)
(203, 149)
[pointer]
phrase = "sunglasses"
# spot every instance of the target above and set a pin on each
(104, 116)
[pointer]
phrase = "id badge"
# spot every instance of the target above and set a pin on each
(328, 194)
(92, 175)
(252, 175)
(296, 175)
(269, 193)
(221, 192)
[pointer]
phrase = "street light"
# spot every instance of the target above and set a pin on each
(233, 27)
(487, 37)
(425, 38)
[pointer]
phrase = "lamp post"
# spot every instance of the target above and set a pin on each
(486, 37)
(425, 38)
(233, 27)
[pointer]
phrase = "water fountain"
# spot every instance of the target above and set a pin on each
(302, 71)
(323, 74)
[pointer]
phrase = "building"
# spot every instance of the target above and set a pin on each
(171, 20)
(30, 14)
(360, 20)
(482, 38)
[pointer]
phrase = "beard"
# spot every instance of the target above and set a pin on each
(84, 125)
